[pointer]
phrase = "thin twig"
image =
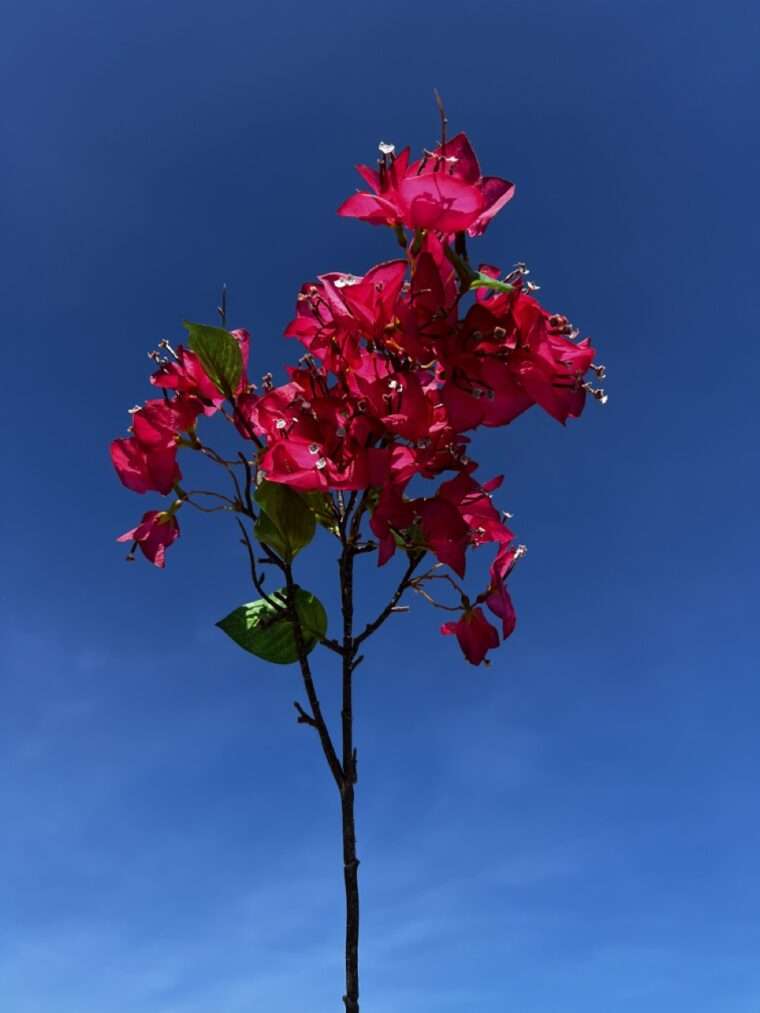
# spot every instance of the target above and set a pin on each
(436, 604)
(258, 583)
(332, 645)
(221, 309)
(404, 583)
(215, 495)
(444, 117)
(248, 483)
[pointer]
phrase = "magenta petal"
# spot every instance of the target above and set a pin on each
(496, 193)
(500, 603)
(368, 208)
(475, 634)
(441, 202)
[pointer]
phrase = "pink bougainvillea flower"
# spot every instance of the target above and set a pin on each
(475, 634)
(508, 354)
(147, 460)
(145, 469)
(444, 191)
(483, 393)
(372, 299)
(154, 534)
(396, 400)
(336, 310)
(323, 323)
(186, 375)
(159, 422)
(305, 467)
(473, 502)
(426, 312)
(547, 364)
(496, 596)
(392, 514)
(459, 161)
(243, 338)
(445, 532)
(500, 603)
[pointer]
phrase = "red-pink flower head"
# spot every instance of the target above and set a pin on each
(147, 461)
(154, 534)
(145, 469)
(185, 374)
(443, 191)
(496, 596)
(475, 634)
(547, 364)
(338, 310)
(318, 438)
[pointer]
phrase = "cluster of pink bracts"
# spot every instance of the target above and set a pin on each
(397, 371)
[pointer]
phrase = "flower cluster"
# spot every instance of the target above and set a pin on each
(401, 365)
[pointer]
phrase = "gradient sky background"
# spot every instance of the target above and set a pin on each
(574, 829)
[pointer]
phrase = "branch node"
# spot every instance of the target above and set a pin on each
(303, 717)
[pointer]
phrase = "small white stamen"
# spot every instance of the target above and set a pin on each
(346, 280)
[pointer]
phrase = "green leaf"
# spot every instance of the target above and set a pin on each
(268, 534)
(484, 281)
(219, 354)
(320, 506)
(267, 632)
(285, 521)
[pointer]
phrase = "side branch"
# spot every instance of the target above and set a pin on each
(256, 580)
(315, 719)
(303, 717)
(404, 583)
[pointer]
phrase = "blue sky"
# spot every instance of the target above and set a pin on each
(574, 829)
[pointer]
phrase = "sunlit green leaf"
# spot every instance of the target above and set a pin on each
(266, 630)
(219, 354)
(285, 522)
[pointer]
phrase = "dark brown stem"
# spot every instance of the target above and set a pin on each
(344, 770)
(350, 861)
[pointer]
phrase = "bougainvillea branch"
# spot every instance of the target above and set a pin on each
(368, 439)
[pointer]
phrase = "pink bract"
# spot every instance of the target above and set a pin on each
(154, 534)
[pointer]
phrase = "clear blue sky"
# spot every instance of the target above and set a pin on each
(575, 830)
